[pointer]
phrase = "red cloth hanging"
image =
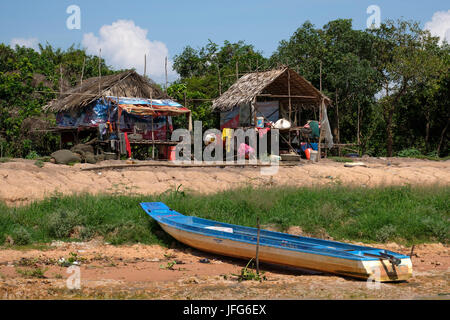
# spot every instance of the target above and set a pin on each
(127, 143)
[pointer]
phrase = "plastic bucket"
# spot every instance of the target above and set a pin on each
(260, 122)
(314, 155)
(172, 153)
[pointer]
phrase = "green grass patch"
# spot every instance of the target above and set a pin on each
(401, 214)
(432, 158)
(4, 160)
(340, 159)
(32, 273)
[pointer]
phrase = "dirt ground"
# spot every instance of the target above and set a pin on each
(21, 181)
(148, 272)
(143, 272)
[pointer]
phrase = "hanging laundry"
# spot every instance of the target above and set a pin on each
(227, 137)
(246, 151)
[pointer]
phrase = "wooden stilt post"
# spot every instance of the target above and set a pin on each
(257, 245)
(338, 139)
(319, 148)
(153, 142)
(290, 102)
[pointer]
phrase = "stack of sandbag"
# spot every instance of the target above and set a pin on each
(86, 152)
(78, 153)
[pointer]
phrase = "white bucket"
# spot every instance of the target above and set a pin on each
(314, 155)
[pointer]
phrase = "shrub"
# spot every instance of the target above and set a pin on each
(39, 163)
(61, 223)
(385, 233)
(407, 153)
(438, 229)
(32, 155)
(86, 233)
(128, 233)
(32, 273)
(21, 236)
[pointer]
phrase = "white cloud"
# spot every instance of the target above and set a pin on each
(440, 25)
(123, 46)
(28, 43)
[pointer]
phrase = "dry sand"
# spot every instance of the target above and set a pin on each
(138, 271)
(21, 181)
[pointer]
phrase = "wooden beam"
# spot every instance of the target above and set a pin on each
(285, 96)
(169, 164)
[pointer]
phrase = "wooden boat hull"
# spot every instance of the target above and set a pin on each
(378, 270)
(369, 268)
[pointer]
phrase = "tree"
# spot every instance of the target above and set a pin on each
(405, 59)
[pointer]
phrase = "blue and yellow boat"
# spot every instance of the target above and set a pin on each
(281, 248)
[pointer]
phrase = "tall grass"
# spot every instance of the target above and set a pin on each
(402, 214)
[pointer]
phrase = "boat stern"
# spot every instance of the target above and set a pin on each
(383, 270)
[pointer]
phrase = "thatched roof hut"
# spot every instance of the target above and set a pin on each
(124, 84)
(276, 83)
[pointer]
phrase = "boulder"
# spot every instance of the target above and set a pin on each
(65, 156)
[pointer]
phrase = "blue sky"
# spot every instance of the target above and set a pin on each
(171, 25)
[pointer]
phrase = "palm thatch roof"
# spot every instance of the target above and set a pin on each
(270, 84)
(124, 84)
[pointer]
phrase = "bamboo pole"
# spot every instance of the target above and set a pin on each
(82, 71)
(220, 81)
(320, 88)
(145, 65)
(60, 79)
(357, 130)
(166, 72)
(99, 70)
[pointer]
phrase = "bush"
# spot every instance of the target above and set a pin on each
(128, 232)
(408, 153)
(437, 229)
(385, 233)
(21, 236)
(32, 155)
(61, 223)
(86, 233)
(39, 163)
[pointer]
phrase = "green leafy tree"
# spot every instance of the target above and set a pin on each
(406, 57)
